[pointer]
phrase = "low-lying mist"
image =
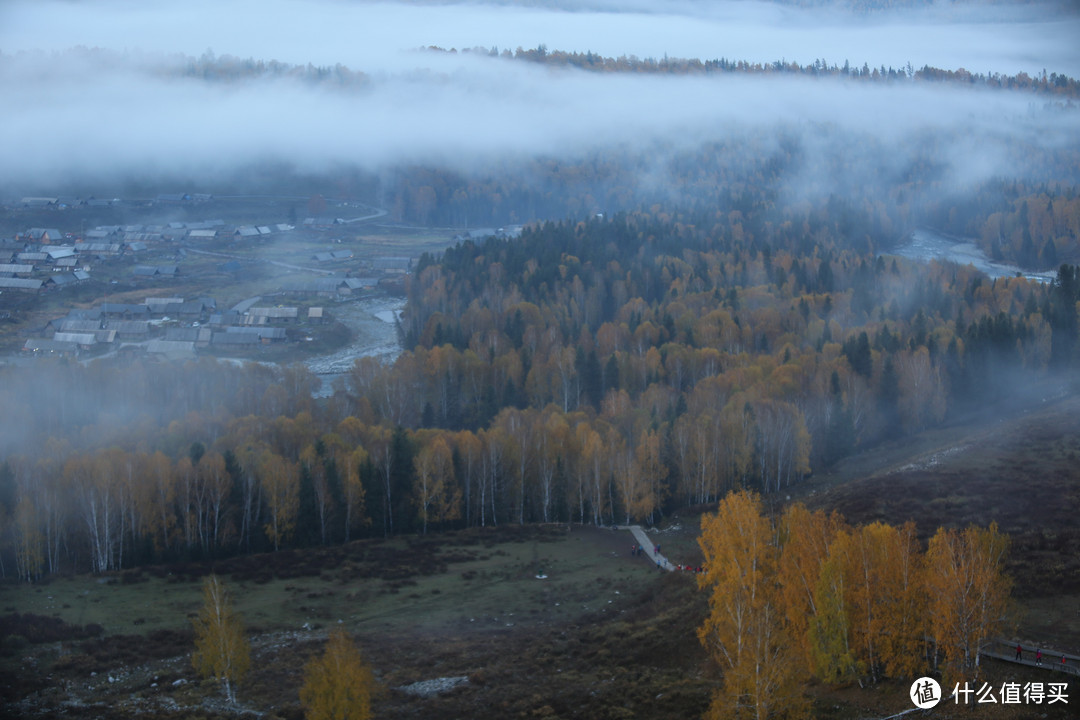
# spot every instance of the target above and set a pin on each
(128, 108)
(87, 116)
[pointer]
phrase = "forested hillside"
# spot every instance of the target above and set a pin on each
(595, 371)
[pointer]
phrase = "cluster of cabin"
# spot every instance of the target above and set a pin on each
(32, 262)
(40, 258)
(168, 327)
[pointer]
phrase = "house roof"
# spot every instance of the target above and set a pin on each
(78, 338)
(98, 247)
(225, 318)
(274, 312)
(79, 325)
(273, 333)
(16, 268)
(231, 338)
(39, 233)
(20, 284)
(193, 307)
(64, 251)
(49, 345)
(128, 327)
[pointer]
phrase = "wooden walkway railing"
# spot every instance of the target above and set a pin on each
(1051, 659)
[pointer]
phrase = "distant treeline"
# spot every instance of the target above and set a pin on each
(229, 68)
(1054, 83)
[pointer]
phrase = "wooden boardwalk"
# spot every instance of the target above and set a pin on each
(1051, 659)
(649, 548)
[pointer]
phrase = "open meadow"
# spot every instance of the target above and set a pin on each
(603, 635)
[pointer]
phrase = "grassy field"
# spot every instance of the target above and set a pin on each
(603, 635)
(465, 604)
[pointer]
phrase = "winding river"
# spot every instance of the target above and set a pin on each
(925, 244)
(373, 323)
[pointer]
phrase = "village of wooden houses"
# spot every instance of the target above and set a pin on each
(192, 284)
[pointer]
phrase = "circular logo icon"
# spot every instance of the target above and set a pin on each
(925, 693)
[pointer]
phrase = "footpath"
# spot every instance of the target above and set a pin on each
(649, 548)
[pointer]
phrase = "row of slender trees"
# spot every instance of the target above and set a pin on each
(806, 594)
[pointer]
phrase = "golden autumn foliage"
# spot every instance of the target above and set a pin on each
(221, 650)
(815, 595)
(806, 538)
(969, 593)
(746, 631)
(338, 684)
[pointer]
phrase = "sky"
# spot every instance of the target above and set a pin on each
(74, 115)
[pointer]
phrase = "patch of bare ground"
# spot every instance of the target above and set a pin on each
(604, 635)
(1020, 471)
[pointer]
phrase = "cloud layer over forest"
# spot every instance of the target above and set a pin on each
(124, 110)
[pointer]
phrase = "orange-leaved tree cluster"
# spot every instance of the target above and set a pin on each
(807, 594)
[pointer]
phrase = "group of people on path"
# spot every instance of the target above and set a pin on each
(1038, 656)
(636, 550)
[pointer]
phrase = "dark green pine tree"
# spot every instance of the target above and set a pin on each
(307, 519)
(889, 399)
(592, 380)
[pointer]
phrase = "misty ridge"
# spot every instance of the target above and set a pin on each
(142, 104)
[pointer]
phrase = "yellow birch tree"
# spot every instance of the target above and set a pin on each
(221, 650)
(338, 684)
(745, 630)
(805, 538)
(969, 594)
